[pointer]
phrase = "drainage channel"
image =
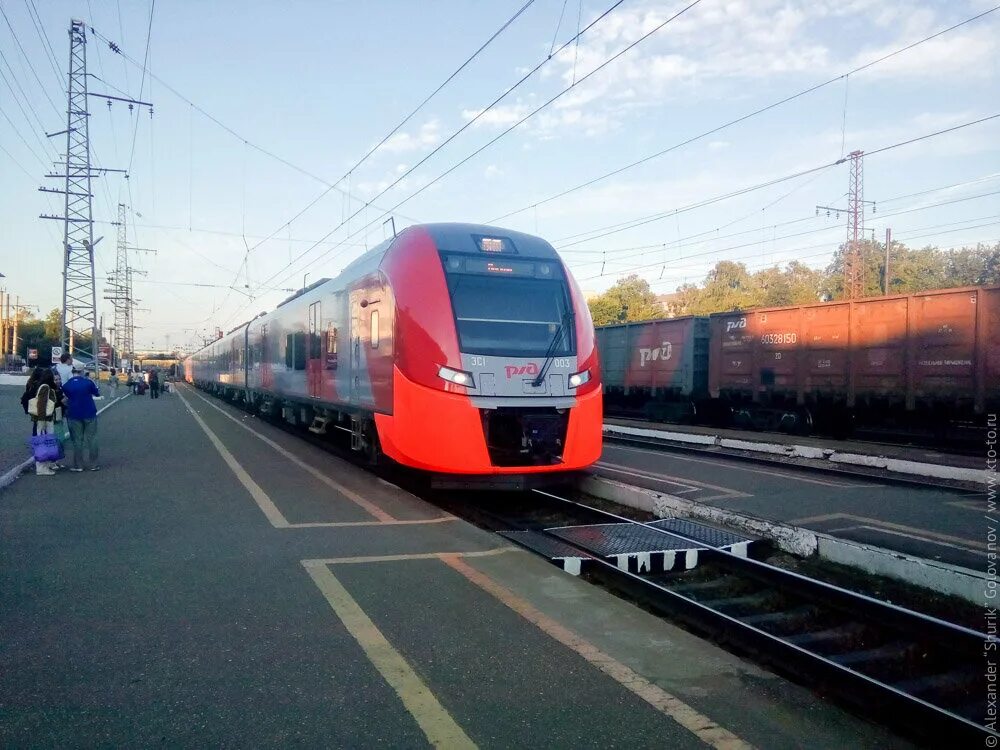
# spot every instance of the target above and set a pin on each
(916, 673)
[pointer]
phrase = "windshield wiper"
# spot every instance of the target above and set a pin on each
(550, 352)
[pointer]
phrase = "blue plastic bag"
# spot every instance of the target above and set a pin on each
(45, 447)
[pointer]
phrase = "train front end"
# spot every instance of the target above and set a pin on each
(496, 378)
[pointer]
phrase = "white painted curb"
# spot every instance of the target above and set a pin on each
(940, 577)
(8, 477)
(895, 465)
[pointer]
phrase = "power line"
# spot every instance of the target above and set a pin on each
(650, 218)
(24, 54)
(742, 118)
(675, 245)
(531, 114)
(440, 146)
(114, 47)
(632, 269)
(14, 159)
(46, 42)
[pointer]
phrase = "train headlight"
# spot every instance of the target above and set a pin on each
(579, 378)
(458, 377)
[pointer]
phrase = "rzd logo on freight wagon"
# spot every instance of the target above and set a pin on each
(651, 355)
(732, 325)
(529, 369)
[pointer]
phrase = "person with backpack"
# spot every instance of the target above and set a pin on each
(81, 414)
(154, 384)
(42, 409)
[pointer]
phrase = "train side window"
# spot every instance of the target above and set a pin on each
(331, 347)
(375, 331)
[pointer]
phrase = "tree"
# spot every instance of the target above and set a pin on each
(53, 324)
(629, 299)
(728, 286)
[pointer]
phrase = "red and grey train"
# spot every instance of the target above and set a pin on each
(454, 349)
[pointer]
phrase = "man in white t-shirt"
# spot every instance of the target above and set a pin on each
(64, 369)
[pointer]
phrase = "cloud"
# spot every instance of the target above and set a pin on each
(428, 136)
(492, 171)
(718, 145)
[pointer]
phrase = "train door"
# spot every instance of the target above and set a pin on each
(357, 361)
(314, 352)
(266, 366)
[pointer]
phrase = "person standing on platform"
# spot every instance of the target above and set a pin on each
(64, 368)
(154, 384)
(81, 413)
(42, 409)
(113, 382)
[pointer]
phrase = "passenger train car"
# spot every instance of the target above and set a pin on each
(454, 349)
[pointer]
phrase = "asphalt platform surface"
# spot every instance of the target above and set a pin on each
(221, 583)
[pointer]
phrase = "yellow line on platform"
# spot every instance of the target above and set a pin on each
(947, 539)
(350, 494)
(402, 558)
(695, 722)
(256, 491)
(394, 522)
(435, 721)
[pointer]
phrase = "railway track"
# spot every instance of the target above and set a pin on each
(919, 674)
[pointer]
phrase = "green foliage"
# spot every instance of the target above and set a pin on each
(731, 286)
(629, 299)
(53, 324)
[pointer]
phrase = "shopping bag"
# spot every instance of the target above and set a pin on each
(45, 447)
(60, 431)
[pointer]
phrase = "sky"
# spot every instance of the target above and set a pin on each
(250, 175)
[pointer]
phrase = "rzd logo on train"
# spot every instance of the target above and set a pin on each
(529, 369)
(651, 355)
(732, 325)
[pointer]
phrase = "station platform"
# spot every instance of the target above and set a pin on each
(222, 582)
(899, 452)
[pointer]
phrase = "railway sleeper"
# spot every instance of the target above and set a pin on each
(842, 636)
(784, 620)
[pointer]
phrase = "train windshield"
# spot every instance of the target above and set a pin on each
(513, 317)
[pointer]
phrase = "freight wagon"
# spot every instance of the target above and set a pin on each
(922, 361)
(657, 369)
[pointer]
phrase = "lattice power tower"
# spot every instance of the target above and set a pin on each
(854, 260)
(79, 311)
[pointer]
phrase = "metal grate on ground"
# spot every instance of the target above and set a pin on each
(567, 557)
(633, 547)
(707, 535)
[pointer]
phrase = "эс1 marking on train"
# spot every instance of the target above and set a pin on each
(462, 350)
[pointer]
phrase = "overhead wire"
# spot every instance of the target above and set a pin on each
(519, 122)
(797, 234)
(650, 218)
(208, 115)
(743, 118)
(468, 124)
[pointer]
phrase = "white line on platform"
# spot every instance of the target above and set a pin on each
(350, 494)
(9, 476)
(915, 537)
(715, 462)
(914, 532)
(692, 485)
